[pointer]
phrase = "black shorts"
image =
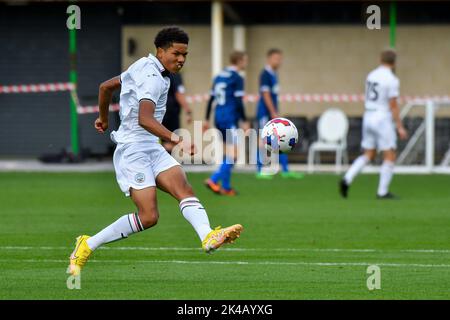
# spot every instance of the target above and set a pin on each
(171, 122)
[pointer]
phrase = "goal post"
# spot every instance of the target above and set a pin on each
(418, 154)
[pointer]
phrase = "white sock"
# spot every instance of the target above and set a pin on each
(355, 168)
(120, 229)
(193, 211)
(386, 173)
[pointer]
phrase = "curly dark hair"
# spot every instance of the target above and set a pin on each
(167, 36)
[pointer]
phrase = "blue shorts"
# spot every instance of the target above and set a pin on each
(262, 122)
(229, 133)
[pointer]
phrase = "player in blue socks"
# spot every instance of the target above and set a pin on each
(224, 174)
(227, 93)
(267, 109)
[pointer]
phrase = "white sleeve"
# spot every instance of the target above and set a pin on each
(148, 85)
(181, 89)
(394, 89)
(264, 89)
(239, 93)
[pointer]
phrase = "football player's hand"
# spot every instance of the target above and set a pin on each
(402, 133)
(188, 147)
(189, 117)
(205, 125)
(101, 125)
(246, 127)
(274, 115)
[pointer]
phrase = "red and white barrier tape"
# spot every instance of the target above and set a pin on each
(94, 109)
(202, 98)
(323, 97)
(42, 87)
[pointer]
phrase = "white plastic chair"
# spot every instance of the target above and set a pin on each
(332, 129)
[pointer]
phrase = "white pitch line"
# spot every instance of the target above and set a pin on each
(279, 263)
(233, 249)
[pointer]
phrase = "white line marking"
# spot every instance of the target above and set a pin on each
(279, 263)
(233, 249)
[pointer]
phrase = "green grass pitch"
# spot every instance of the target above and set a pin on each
(301, 240)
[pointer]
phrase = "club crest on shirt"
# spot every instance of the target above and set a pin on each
(139, 177)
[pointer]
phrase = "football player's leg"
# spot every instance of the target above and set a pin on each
(263, 158)
(354, 170)
(284, 162)
(125, 225)
(212, 182)
(145, 201)
(230, 157)
(258, 158)
(174, 181)
(145, 217)
(358, 165)
(388, 143)
(386, 172)
(285, 173)
(217, 176)
(119, 229)
(369, 144)
(259, 153)
(168, 146)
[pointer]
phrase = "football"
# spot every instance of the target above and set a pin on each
(279, 135)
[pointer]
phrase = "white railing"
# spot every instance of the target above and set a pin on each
(427, 128)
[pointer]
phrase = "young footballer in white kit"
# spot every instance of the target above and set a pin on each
(140, 162)
(380, 122)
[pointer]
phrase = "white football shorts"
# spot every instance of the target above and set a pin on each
(138, 164)
(378, 132)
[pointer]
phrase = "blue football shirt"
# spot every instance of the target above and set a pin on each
(268, 82)
(228, 85)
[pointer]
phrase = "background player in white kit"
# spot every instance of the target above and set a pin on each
(140, 162)
(380, 116)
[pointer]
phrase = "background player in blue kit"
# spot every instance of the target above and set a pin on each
(267, 108)
(227, 93)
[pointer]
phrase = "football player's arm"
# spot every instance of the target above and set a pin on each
(148, 122)
(105, 93)
(239, 94)
(209, 107)
(269, 103)
(241, 113)
(265, 87)
(240, 109)
(208, 112)
(393, 93)
(395, 110)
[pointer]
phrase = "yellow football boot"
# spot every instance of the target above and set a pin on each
(80, 255)
(219, 236)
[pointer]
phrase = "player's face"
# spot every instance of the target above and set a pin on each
(174, 57)
(275, 60)
(242, 64)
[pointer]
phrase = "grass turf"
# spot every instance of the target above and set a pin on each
(301, 240)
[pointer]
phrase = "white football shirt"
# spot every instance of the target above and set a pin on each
(144, 79)
(381, 86)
